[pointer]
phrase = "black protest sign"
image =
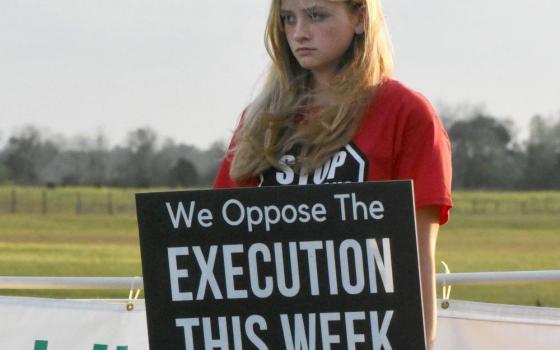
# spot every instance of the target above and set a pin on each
(293, 267)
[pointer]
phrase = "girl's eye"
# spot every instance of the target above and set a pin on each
(288, 19)
(316, 16)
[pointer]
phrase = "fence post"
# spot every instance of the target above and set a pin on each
(44, 203)
(78, 203)
(13, 201)
(110, 203)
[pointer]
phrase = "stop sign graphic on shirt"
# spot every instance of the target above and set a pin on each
(346, 165)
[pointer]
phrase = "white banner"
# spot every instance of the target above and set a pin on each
(479, 326)
(52, 324)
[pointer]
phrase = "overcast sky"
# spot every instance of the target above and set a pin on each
(187, 68)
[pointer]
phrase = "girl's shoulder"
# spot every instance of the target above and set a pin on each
(394, 98)
(394, 91)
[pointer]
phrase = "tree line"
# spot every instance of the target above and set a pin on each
(29, 157)
(486, 155)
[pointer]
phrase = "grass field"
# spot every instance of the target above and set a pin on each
(69, 245)
(476, 243)
(479, 237)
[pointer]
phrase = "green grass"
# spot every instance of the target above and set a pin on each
(63, 200)
(66, 244)
(69, 245)
(477, 243)
(69, 200)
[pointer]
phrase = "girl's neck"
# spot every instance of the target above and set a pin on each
(321, 91)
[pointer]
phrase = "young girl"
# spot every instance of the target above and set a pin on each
(330, 112)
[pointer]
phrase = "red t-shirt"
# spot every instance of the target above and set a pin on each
(400, 137)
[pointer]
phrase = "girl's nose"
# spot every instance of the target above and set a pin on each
(301, 32)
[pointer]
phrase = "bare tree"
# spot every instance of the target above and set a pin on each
(542, 170)
(484, 154)
(27, 154)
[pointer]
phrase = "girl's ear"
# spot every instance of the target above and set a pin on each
(359, 27)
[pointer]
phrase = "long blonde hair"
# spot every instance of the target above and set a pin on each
(271, 125)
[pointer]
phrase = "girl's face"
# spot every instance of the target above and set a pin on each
(319, 32)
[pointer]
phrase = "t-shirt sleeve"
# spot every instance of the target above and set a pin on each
(223, 179)
(425, 157)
